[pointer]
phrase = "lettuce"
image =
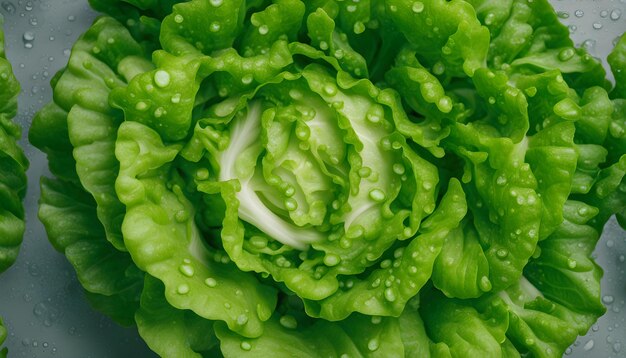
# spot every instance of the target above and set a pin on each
(393, 178)
(13, 165)
(3, 336)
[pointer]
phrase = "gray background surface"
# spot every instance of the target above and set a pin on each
(40, 298)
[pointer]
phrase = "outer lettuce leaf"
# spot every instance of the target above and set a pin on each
(557, 299)
(357, 336)
(542, 314)
(112, 281)
(170, 332)
(162, 239)
(13, 165)
(460, 330)
(103, 58)
(511, 208)
(564, 271)
(535, 110)
(48, 132)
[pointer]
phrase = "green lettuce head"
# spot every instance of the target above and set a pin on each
(284, 178)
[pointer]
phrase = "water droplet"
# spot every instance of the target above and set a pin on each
(604, 13)
(176, 98)
(216, 3)
(247, 79)
(242, 319)
(390, 294)
(365, 172)
(485, 284)
(398, 168)
(568, 351)
(178, 18)
(617, 347)
(8, 7)
(373, 344)
(183, 289)
(566, 54)
(246, 346)
(291, 204)
(215, 26)
(159, 112)
(263, 29)
(597, 26)
(330, 89)
(331, 260)
(358, 27)
(162, 78)
(608, 299)
(563, 14)
(28, 39)
(289, 322)
(616, 14)
(211, 282)
(589, 345)
(444, 104)
(186, 270)
(579, 13)
(417, 7)
(572, 263)
(377, 195)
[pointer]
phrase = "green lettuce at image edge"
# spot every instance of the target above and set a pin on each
(335, 178)
(13, 165)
